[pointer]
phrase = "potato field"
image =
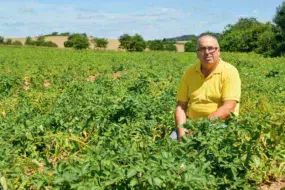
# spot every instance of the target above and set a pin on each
(101, 120)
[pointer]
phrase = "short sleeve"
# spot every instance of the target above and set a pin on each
(231, 85)
(182, 94)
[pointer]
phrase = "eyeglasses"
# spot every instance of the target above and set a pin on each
(210, 49)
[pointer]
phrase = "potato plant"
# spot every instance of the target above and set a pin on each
(101, 120)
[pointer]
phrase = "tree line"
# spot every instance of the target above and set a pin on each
(81, 41)
(39, 41)
(250, 35)
(134, 43)
(9, 41)
(247, 35)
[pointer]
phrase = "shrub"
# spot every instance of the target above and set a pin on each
(54, 34)
(48, 44)
(17, 42)
(68, 43)
(64, 34)
(29, 41)
(156, 45)
(40, 42)
(1, 40)
(80, 42)
(190, 46)
(125, 41)
(132, 43)
(77, 41)
(170, 47)
(242, 36)
(9, 41)
(279, 18)
(100, 42)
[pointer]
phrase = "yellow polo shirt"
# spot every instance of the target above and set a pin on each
(206, 95)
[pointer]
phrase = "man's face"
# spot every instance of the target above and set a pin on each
(208, 51)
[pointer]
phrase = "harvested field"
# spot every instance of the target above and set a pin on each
(113, 44)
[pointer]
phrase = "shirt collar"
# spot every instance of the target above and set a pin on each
(217, 70)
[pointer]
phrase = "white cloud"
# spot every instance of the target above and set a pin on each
(255, 11)
(35, 18)
(151, 15)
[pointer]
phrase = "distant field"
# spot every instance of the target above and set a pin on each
(113, 44)
(101, 120)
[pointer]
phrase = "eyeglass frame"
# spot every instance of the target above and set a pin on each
(207, 48)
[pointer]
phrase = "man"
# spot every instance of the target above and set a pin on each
(210, 88)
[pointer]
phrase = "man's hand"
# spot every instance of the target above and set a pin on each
(181, 132)
(224, 111)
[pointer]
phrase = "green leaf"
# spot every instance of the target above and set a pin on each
(29, 136)
(131, 173)
(149, 180)
(157, 181)
(165, 154)
(256, 160)
(133, 182)
(3, 183)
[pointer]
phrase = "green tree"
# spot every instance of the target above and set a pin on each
(138, 43)
(17, 42)
(280, 39)
(279, 18)
(190, 46)
(68, 43)
(9, 41)
(170, 40)
(268, 42)
(170, 47)
(100, 42)
(1, 40)
(48, 44)
(250, 35)
(80, 42)
(84, 34)
(64, 34)
(242, 36)
(72, 36)
(132, 43)
(125, 41)
(77, 41)
(156, 45)
(29, 41)
(40, 40)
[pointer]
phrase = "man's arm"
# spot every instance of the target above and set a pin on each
(180, 117)
(231, 92)
(224, 111)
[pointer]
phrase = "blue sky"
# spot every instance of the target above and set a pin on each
(153, 19)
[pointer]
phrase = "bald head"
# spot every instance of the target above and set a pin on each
(208, 51)
(210, 38)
